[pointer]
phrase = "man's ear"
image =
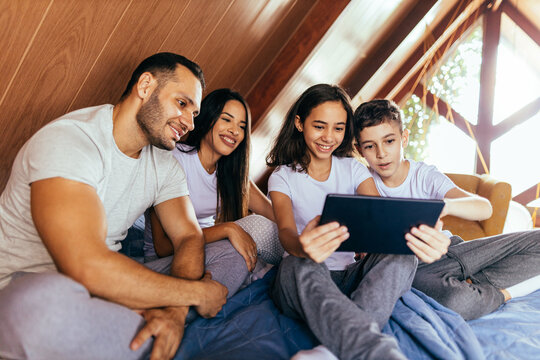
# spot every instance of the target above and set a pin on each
(146, 85)
(298, 124)
(405, 138)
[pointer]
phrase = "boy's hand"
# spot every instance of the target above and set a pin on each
(428, 243)
(166, 326)
(319, 242)
(213, 299)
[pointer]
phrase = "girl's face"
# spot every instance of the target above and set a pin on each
(229, 130)
(323, 129)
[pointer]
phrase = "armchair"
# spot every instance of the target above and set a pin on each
(499, 193)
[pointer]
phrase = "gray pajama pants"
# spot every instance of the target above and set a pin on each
(492, 263)
(346, 309)
(50, 316)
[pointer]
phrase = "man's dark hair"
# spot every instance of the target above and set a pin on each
(162, 66)
(376, 112)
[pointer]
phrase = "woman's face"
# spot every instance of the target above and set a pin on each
(324, 129)
(229, 130)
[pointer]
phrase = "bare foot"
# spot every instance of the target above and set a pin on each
(506, 295)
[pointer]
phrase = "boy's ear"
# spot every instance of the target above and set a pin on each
(405, 138)
(298, 124)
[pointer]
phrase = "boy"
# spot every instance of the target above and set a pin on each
(474, 278)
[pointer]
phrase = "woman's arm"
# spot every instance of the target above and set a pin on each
(316, 242)
(258, 203)
(465, 205)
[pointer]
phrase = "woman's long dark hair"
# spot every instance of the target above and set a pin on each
(290, 148)
(231, 171)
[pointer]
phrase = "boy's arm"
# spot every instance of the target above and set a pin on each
(465, 205)
(367, 187)
(315, 242)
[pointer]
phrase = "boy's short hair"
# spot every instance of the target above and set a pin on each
(376, 112)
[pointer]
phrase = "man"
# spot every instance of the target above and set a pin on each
(75, 188)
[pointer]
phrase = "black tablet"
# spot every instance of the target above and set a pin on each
(379, 224)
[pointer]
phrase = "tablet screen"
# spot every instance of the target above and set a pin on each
(379, 224)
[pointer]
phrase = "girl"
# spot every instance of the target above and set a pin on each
(215, 157)
(347, 306)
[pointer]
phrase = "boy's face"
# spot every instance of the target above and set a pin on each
(382, 146)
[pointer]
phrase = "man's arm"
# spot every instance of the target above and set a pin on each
(71, 221)
(179, 222)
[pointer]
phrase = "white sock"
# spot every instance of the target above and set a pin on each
(525, 287)
(320, 352)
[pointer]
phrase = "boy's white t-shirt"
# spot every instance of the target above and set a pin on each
(308, 195)
(423, 182)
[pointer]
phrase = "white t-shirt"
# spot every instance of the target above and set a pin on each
(308, 195)
(80, 146)
(423, 182)
(202, 189)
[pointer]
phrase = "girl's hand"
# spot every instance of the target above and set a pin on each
(428, 243)
(319, 242)
(243, 243)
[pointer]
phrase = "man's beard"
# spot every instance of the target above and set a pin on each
(149, 118)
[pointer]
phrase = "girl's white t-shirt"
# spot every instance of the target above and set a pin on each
(308, 195)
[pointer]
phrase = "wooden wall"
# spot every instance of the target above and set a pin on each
(60, 55)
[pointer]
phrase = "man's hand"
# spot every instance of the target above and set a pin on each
(428, 243)
(243, 243)
(213, 298)
(166, 325)
(319, 242)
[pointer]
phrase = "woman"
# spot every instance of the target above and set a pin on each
(215, 158)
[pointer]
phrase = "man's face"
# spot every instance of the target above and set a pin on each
(169, 112)
(382, 146)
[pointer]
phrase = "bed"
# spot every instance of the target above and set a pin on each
(251, 327)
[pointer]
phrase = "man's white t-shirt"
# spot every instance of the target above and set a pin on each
(80, 146)
(308, 195)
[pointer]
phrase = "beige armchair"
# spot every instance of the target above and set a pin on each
(499, 193)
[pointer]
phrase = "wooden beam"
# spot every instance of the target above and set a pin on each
(417, 54)
(522, 21)
(292, 55)
(526, 196)
(407, 88)
(488, 70)
(444, 110)
(363, 71)
(519, 117)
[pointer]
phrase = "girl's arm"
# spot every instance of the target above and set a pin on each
(367, 187)
(465, 205)
(258, 203)
(316, 242)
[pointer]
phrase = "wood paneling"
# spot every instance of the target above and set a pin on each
(61, 55)
(57, 62)
(136, 36)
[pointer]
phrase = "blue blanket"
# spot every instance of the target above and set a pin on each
(251, 327)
